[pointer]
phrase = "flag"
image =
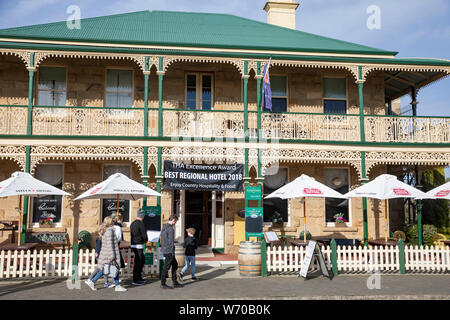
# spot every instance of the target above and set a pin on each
(267, 92)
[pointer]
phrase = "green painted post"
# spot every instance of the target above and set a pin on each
(245, 77)
(361, 104)
(263, 258)
(160, 96)
(334, 266)
(23, 236)
(419, 222)
(145, 174)
(31, 71)
(75, 261)
(258, 98)
(146, 78)
(364, 200)
(401, 256)
(158, 175)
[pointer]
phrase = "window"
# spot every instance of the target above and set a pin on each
(49, 206)
(109, 206)
(337, 179)
(278, 85)
(51, 86)
(119, 88)
(334, 95)
(199, 91)
(272, 183)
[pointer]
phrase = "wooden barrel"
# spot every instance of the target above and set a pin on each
(249, 257)
(179, 255)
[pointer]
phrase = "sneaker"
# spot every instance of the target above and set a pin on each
(91, 284)
(194, 278)
(177, 285)
(180, 276)
(109, 285)
(142, 281)
(120, 289)
(137, 283)
(165, 286)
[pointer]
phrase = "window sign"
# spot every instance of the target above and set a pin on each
(48, 206)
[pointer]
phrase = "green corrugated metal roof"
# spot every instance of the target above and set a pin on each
(188, 29)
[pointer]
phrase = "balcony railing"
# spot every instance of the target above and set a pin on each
(407, 129)
(224, 124)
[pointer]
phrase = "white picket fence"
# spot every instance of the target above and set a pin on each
(58, 263)
(358, 259)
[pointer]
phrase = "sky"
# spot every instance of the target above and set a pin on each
(414, 28)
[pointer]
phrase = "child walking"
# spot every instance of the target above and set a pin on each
(191, 244)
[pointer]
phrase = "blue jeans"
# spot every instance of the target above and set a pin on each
(100, 273)
(190, 260)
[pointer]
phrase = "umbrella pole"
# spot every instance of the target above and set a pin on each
(19, 228)
(304, 219)
(386, 229)
(117, 212)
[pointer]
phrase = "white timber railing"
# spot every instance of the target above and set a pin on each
(359, 259)
(58, 263)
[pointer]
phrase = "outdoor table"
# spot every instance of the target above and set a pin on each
(16, 247)
(446, 242)
(381, 242)
(299, 243)
(9, 226)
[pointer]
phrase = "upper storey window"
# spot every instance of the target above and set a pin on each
(334, 95)
(51, 86)
(278, 85)
(199, 91)
(119, 88)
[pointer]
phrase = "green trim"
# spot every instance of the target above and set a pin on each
(30, 100)
(361, 111)
(401, 256)
(334, 265)
(145, 173)
(158, 173)
(75, 276)
(160, 97)
(146, 88)
(26, 198)
(218, 250)
(263, 258)
(419, 222)
(246, 99)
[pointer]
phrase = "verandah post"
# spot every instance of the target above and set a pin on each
(146, 79)
(263, 258)
(364, 200)
(160, 95)
(334, 266)
(24, 213)
(31, 71)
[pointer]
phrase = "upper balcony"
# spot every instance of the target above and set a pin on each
(221, 124)
(74, 97)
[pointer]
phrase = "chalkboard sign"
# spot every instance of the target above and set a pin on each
(313, 250)
(253, 224)
(152, 219)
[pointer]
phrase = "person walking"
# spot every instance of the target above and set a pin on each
(109, 255)
(138, 240)
(191, 244)
(98, 246)
(168, 250)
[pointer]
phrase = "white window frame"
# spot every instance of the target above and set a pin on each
(198, 89)
(350, 219)
(288, 222)
(287, 89)
(111, 110)
(125, 223)
(340, 99)
(54, 109)
(57, 224)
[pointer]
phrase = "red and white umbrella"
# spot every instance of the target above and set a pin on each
(386, 187)
(441, 192)
(120, 186)
(302, 187)
(24, 184)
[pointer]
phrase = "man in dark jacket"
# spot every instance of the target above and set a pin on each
(138, 240)
(168, 250)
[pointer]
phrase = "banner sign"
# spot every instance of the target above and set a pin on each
(202, 177)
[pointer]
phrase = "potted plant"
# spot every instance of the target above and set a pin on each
(339, 220)
(277, 219)
(47, 220)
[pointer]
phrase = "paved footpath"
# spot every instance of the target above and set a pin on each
(225, 283)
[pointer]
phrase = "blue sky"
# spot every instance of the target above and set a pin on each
(414, 28)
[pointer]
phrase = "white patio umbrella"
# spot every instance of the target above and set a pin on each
(441, 192)
(118, 186)
(24, 184)
(385, 187)
(302, 187)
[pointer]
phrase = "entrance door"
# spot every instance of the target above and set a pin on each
(198, 215)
